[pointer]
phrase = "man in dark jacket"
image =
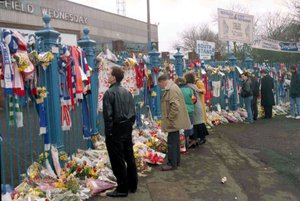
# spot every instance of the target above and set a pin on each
(255, 92)
(295, 93)
(267, 96)
(247, 95)
(119, 116)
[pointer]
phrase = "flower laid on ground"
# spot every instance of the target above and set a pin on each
(81, 171)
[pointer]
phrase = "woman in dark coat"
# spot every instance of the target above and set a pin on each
(267, 96)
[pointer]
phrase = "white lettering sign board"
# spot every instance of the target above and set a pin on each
(274, 45)
(235, 26)
(205, 49)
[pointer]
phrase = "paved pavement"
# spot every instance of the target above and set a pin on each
(261, 162)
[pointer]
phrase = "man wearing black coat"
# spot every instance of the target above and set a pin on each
(267, 96)
(255, 93)
(119, 116)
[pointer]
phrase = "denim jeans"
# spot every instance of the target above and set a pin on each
(295, 102)
(247, 101)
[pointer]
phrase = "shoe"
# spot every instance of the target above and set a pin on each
(297, 117)
(115, 193)
(289, 116)
(192, 146)
(168, 168)
(202, 141)
(132, 190)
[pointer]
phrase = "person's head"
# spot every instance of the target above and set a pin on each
(263, 72)
(245, 76)
(180, 81)
(116, 74)
(163, 80)
(189, 77)
(294, 68)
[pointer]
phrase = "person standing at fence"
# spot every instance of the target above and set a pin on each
(189, 99)
(266, 91)
(295, 94)
(200, 130)
(255, 92)
(201, 90)
(247, 94)
(119, 117)
(174, 118)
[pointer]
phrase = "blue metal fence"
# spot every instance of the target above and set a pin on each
(21, 146)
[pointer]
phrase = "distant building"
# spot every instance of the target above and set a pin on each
(69, 18)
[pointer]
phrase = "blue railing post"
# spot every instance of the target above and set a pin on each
(88, 46)
(48, 41)
(154, 62)
(248, 62)
(233, 102)
(179, 63)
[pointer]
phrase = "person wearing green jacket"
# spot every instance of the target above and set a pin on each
(295, 94)
(189, 99)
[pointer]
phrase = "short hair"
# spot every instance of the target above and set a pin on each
(263, 71)
(246, 74)
(118, 73)
(180, 81)
(162, 77)
(190, 77)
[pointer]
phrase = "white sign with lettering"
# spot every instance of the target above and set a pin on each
(205, 49)
(54, 13)
(235, 26)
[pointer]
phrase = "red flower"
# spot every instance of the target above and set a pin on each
(156, 70)
(78, 169)
(84, 163)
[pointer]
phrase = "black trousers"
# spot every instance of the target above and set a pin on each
(173, 149)
(268, 111)
(120, 151)
(254, 107)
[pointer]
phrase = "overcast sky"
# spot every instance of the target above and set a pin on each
(173, 16)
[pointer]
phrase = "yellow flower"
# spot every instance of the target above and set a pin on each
(153, 93)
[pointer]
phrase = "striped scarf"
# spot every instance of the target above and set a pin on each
(15, 113)
(6, 70)
(44, 125)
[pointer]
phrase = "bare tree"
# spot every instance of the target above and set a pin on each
(190, 36)
(294, 7)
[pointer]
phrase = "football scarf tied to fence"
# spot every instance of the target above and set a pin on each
(75, 79)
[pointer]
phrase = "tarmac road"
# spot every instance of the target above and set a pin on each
(261, 162)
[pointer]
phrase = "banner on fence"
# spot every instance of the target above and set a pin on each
(274, 45)
(205, 49)
(235, 26)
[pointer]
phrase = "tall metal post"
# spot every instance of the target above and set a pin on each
(233, 99)
(48, 42)
(179, 63)
(148, 26)
(154, 62)
(88, 46)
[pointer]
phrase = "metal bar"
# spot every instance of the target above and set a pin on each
(73, 131)
(29, 128)
(24, 144)
(9, 141)
(48, 109)
(35, 123)
(3, 177)
(17, 144)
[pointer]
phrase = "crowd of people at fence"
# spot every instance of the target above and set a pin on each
(182, 107)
